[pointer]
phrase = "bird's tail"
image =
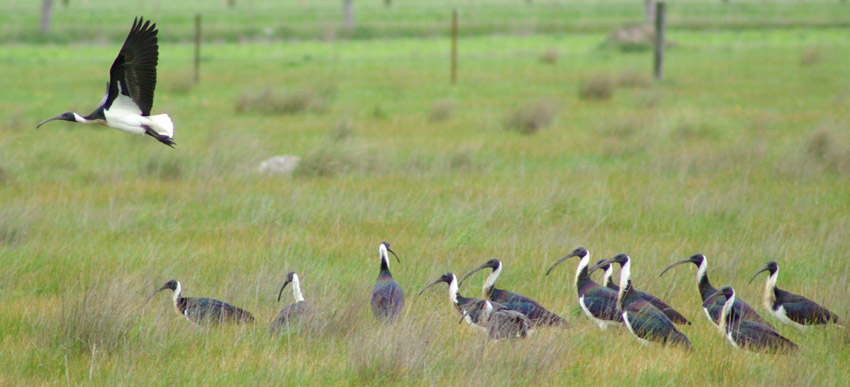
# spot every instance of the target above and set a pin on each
(162, 125)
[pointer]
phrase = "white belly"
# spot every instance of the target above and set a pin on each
(782, 316)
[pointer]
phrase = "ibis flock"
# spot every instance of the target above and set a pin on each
(500, 313)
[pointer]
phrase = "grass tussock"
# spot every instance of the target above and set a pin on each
(14, 226)
(811, 56)
(391, 353)
(270, 101)
(334, 158)
(632, 38)
(550, 56)
(532, 117)
(829, 147)
(163, 168)
(442, 110)
(633, 78)
(598, 87)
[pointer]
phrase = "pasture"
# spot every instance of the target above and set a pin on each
(742, 154)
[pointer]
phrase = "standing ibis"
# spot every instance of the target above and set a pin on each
(747, 334)
(789, 308)
(644, 320)
(387, 297)
(713, 308)
(671, 313)
(126, 106)
(201, 310)
(501, 322)
(597, 302)
(527, 306)
(464, 305)
(294, 312)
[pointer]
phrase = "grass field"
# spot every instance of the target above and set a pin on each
(741, 154)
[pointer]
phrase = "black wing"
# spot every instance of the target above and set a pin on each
(134, 70)
(803, 310)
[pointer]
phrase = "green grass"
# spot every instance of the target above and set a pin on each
(738, 155)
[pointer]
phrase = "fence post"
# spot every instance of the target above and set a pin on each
(197, 74)
(454, 46)
(659, 40)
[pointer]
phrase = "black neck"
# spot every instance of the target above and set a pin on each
(705, 288)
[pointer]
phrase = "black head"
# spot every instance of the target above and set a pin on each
(771, 267)
(725, 291)
(603, 265)
(577, 252)
(696, 259)
(621, 258)
(492, 263)
(447, 278)
(67, 116)
(171, 284)
(387, 246)
(289, 278)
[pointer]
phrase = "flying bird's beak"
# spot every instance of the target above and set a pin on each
(765, 268)
(564, 258)
(675, 264)
(393, 252)
(59, 117)
(286, 282)
(438, 280)
(483, 265)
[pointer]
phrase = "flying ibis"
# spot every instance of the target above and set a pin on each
(671, 313)
(464, 305)
(294, 312)
(789, 308)
(535, 312)
(126, 106)
(501, 322)
(713, 308)
(202, 310)
(597, 302)
(644, 320)
(747, 334)
(387, 296)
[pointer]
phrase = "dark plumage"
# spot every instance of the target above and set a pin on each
(597, 302)
(789, 308)
(713, 308)
(200, 310)
(464, 305)
(644, 321)
(747, 334)
(668, 310)
(535, 312)
(500, 322)
(295, 312)
(387, 296)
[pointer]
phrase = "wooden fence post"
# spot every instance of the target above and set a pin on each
(197, 75)
(454, 47)
(659, 40)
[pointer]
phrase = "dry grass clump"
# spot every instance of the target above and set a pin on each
(633, 78)
(829, 148)
(168, 168)
(632, 38)
(531, 117)
(331, 159)
(599, 87)
(13, 227)
(812, 55)
(442, 110)
(343, 130)
(271, 101)
(391, 353)
(549, 56)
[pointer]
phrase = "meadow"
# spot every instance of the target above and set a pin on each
(742, 153)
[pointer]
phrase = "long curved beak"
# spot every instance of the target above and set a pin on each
(286, 282)
(59, 117)
(396, 256)
(438, 280)
(712, 297)
(564, 258)
(600, 264)
(675, 264)
(163, 287)
(483, 265)
(757, 273)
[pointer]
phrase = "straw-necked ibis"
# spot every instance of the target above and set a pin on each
(535, 312)
(747, 334)
(201, 310)
(674, 316)
(464, 305)
(387, 296)
(500, 322)
(643, 319)
(596, 301)
(126, 106)
(789, 308)
(713, 308)
(294, 312)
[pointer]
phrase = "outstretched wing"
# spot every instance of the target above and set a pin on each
(134, 71)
